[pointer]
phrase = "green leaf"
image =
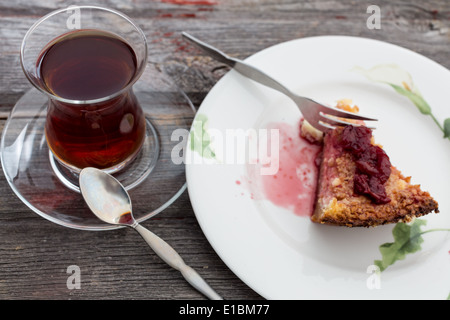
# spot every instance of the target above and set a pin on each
(447, 128)
(200, 139)
(415, 98)
(407, 240)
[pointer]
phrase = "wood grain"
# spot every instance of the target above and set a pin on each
(35, 253)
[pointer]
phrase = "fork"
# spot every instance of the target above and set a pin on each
(318, 115)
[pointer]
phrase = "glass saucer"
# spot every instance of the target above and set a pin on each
(153, 180)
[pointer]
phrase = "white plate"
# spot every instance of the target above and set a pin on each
(282, 255)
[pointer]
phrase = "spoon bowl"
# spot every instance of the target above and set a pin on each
(111, 203)
(106, 197)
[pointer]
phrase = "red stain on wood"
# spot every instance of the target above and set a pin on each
(192, 2)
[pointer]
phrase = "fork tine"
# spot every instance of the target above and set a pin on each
(332, 121)
(321, 126)
(343, 114)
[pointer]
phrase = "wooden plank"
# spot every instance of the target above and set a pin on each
(240, 30)
(35, 253)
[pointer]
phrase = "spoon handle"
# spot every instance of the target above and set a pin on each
(173, 259)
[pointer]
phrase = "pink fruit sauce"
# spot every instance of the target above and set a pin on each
(293, 187)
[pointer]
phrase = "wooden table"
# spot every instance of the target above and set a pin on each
(35, 254)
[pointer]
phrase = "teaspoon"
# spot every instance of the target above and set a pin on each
(110, 202)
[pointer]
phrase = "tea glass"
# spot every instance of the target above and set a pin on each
(85, 121)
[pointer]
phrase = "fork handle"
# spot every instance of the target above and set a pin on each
(240, 66)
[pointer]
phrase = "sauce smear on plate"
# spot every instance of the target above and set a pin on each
(293, 187)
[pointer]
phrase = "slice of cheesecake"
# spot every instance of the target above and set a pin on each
(358, 186)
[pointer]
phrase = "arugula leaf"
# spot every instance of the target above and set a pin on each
(447, 128)
(415, 98)
(407, 239)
